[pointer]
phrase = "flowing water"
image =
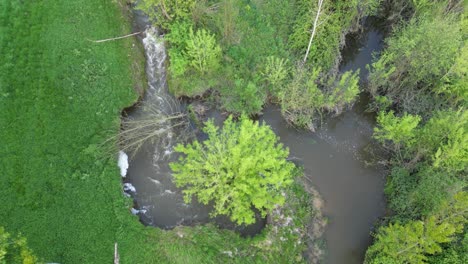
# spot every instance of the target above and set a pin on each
(158, 201)
(334, 159)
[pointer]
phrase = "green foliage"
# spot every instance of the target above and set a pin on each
(15, 250)
(194, 59)
(203, 52)
(343, 93)
(302, 99)
(274, 73)
(409, 243)
(455, 83)
(400, 130)
(164, 11)
(445, 137)
(418, 56)
(177, 38)
(421, 194)
(244, 97)
(226, 21)
(239, 167)
(455, 254)
(336, 19)
(413, 241)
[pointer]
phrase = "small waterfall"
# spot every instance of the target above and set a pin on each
(155, 59)
(157, 97)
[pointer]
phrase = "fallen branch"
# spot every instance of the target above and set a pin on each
(116, 38)
(116, 254)
(314, 29)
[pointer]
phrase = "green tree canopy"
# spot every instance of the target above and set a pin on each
(413, 241)
(15, 249)
(400, 130)
(417, 58)
(240, 167)
(203, 51)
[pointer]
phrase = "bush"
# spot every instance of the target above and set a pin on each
(240, 167)
(244, 97)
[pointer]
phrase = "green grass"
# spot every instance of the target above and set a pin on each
(60, 98)
(61, 95)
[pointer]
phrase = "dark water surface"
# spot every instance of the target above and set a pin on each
(334, 159)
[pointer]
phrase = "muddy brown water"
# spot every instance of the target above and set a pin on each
(334, 159)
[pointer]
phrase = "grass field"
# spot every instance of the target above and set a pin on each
(60, 98)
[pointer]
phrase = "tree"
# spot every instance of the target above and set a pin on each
(454, 84)
(15, 249)
(413, 241)
(203, 51)
(401, 131)
(445, 138)
(302, 99)
(243, 97)
(240, 167)
(417, 58)
(343, 92)
(194, 59)
(274, 72)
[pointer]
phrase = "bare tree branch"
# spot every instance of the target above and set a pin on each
(314, 29)
(116, 38)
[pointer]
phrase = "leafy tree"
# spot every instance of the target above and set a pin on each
(409, 243)
(240, 167)
(401, 131)
(203, 51)
(418, 56)
(243, 97)
(455, 254)
(164, 11)
(226, 21)
(302, 99)
(274, 72)
(343, 93)
(335, 20)
(445, 140)
(15, 249)
(421, 194)
(194, 59)
(413, 241)
(177, 38)
(454, 84)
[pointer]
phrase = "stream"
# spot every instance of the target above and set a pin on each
(334, 159)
